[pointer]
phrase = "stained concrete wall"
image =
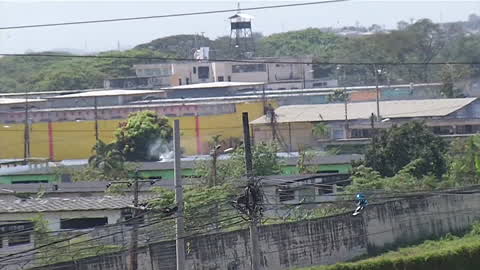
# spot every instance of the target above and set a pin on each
(321, 241)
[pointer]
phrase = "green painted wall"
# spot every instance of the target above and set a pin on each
(341, 168)
(11, 179)
(168, 174)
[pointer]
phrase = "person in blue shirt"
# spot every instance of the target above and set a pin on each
(362, 202)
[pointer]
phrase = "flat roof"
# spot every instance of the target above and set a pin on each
(11, 101)
(214, 85)
(47, 92)
(363, 110)
(107, 93)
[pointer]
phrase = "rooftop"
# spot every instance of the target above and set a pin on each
(11, 101)
(363, 110)
(214, 85)
(108, 93)
(65, 204)
(73, 187)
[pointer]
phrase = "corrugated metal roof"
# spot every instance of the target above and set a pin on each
(363, 110)
(65, 204)
(106, 93)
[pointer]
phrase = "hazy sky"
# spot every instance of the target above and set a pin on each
(106, 36)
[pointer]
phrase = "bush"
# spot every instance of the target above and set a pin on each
(448, 253)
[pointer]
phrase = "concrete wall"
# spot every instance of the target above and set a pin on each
(321, 241)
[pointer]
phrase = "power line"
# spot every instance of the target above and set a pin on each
(179, 59)
(169, 15)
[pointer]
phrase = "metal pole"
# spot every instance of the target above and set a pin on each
(377, 92)
(26, 145)
(95, 105)
(180, 223)
(253, 219)
(345, 97)
(134, 235)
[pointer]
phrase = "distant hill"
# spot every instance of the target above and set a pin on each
(422, 41)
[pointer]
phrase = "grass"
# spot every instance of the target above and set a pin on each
(448, 253)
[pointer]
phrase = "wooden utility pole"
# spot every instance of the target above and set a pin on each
(180, 223)
(26, 144)
(95, 108)
(251, 183)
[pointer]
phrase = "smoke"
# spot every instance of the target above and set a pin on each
(161, 150)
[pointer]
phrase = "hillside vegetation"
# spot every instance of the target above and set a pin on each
(422, 42)
(446, 254)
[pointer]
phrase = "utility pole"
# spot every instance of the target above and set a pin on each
(252, 195)
(133, 265)
(377, 92)
(180, 223)
(95, 108)
(133, 248)
(26, 145)
(345, 97)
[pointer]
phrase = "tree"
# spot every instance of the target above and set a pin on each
(107, 162)
(265, 162)
(451, 77)
(392, 149)
(464, 157)
(205, 208)
(136, 136)
(321, 130)
(339, 95)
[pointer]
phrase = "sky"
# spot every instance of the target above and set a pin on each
(108, 36)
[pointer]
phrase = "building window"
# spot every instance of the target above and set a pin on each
(194, 70)
(286, 194)
(325, 190)
(220, 78)
(443, 130)
(82, 223)
(248, 68)
(361, 133)
(203, 72)
(17, 238)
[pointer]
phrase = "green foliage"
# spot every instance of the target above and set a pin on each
(205, 208)
(304, 158)
(464, 161)
(41, 73)
(448, 253)
(321, 130)
(265, 162)
(391, 150)
(310, 41)
(75, 249)
(339, 95)
(108, 160)
(450, 76)
(136, 136)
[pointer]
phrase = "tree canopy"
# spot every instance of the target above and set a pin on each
(136, 136)
(392, 149)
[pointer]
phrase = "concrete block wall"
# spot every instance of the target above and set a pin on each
(315, 242)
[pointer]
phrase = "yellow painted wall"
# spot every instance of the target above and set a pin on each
(74, 140)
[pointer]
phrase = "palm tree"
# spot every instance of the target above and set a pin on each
(107, 158)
